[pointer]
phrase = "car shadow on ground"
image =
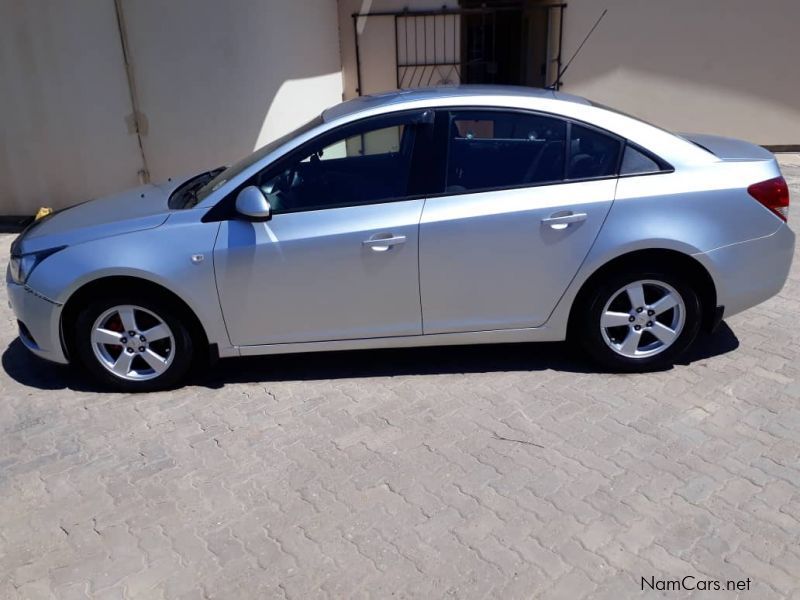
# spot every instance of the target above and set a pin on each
(28, 370)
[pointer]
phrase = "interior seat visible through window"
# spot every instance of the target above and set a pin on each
(496, 149)
(592, 154)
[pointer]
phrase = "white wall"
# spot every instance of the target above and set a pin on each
(377, 42)
(64, 100)
(215, 80)
(218, 79)
(728, 67)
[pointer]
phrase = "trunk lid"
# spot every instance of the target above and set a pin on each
(728, 149)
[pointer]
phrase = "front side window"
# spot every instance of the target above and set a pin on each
(361, 167)
(494, 149)
(223, 176)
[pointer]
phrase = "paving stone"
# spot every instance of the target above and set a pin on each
(378, 474)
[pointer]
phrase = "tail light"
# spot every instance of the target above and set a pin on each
(774, 194)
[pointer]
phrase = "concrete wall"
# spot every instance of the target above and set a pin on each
(728, 67)
(64, 100)
(217, 79)
(719, 66)
(377, 43)
(214, 81)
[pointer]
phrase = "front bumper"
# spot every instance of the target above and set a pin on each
(748, 273)
(39, 322)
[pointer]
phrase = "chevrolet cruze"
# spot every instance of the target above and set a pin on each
(460, 215)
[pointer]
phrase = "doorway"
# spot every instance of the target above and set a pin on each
(511, 43)
(482, 42)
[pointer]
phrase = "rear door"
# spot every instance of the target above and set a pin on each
(525, 197)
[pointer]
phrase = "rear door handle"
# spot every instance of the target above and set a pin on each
(563, 221)
(382, 244)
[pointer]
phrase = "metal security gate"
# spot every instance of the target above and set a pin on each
(483, 44)
(424, 59)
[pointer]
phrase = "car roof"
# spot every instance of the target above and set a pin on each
(377, 101)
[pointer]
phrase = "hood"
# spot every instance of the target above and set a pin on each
(140, 208)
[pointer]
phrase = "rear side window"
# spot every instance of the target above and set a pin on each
(592, 154)
(636, 162)
(493, 149)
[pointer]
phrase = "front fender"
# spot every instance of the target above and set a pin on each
(162, 256)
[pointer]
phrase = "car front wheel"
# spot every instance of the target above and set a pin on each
(639, 321)
(133, 344)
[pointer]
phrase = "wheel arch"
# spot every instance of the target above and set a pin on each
(671, 260)
(113, 284)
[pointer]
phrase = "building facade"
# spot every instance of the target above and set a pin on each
(105, 94)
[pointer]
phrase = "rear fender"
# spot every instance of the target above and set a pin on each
(692, 211)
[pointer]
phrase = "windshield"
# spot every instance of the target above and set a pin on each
(225, 176)
(185, 196)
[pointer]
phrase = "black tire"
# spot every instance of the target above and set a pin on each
(586, 329)
(181, 351)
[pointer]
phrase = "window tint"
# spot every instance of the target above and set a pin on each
(368, 166)
(634, 161)
(592, 154)
(492, 149)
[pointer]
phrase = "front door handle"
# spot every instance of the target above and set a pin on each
(381, 242)
(562, 221)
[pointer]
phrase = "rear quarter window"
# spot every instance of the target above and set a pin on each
(636, 161)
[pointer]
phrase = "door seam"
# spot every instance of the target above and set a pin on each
(419, 266)
(216, 285)
(583, 262)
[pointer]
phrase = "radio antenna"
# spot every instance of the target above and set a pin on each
(588, 35)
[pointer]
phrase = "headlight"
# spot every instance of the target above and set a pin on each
(13, 269)
(21, 267)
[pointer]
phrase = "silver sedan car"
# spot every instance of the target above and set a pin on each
(462, 215)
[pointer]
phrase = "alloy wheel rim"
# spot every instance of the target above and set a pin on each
(133, 343)
(643, 318)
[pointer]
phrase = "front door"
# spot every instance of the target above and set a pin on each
(518, 217)
(339, 258)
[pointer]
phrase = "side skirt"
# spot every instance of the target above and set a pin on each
(497, 336)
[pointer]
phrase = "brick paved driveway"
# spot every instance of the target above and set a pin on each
(502, 471)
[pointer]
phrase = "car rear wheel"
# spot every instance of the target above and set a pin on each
(133, 343)
(639, 321)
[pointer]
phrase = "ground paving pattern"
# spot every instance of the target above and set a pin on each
(496, 471)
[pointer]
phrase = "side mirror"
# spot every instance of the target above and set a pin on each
(252, 204)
